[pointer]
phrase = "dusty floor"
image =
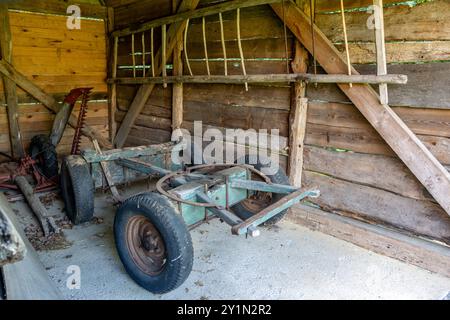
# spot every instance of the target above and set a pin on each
(285, 262)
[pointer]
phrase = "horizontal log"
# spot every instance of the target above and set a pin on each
(215, 9)
(424, 218)
(393, 243)
(269, 78)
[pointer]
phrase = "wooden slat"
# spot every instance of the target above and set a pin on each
(59, 7)
(427, 21)
(175, 31)
(422, 79)
(419, 217)
(389, 242)
(406, 145)
(378, 171)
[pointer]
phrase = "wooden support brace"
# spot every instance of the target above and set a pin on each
(177, 89)
(48, 101)
(175, 30)
(188, 64)
(10, 86)
(112, 89)
(388, 124)
(297, 133)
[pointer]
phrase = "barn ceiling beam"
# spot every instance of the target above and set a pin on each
(48, 101)
(192, 14)
(175, 31)
(392, 129)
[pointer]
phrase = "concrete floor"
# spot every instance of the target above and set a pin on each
(285, 262)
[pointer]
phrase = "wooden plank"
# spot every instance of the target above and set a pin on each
(222, 115)
(378, 171)
(192, 14)
(405, 144)
(389, 242)
(400, 52)
(9, 71)
(419, 217)
(422, 79)
(10, 87)
(368, 141)
(427, 21)
(88, 10)
(174, 32)
(434, 122)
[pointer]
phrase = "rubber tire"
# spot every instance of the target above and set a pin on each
(77, 188)
(177, 240)
(44, 151)
(279, 177)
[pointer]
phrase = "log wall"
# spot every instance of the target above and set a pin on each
(357, 172)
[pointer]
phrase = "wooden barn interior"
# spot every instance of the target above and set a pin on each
(359, 96)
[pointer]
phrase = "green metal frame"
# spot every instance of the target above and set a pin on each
(220, 190)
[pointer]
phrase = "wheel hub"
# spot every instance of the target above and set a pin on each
(146, 245)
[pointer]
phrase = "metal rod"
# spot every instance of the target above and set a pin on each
(222, 38)
(241, 52)
(185, 47)
(205, 46)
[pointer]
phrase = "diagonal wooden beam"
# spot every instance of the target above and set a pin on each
(48, 101)
(175, 31)
(394, 131)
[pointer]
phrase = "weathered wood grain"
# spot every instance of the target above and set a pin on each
(420, 217)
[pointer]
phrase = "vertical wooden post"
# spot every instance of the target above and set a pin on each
(381, 48)
(112, 54)
(177, 89)
(164, 52)
(17, 150)
(297, 116)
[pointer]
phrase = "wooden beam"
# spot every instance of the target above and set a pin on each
(175, 31)
(191, 14)
(380, 48)
(112, 49)
(10, 87)
(297, 133)
(177, 88)
(48, 101)
(412, 250)
(398, 136)
(268, 78)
